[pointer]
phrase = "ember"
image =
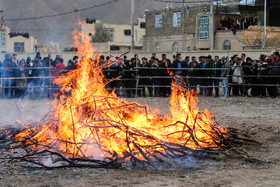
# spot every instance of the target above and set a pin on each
(91, 127)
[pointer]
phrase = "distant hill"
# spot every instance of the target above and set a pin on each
(60, 28)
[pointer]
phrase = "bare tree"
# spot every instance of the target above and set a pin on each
(101, 33)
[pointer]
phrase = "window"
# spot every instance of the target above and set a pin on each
(19, 46)
(114, 48)
(158, 21)
(3, 37)
(227, 45)
(175, 47)
(177, 19)
(203, 28)
(247, 2)
(257, 43)
(157, 47)
(127, 32)
(143, 25)
(111, 32)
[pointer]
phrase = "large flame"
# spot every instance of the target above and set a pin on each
(89, 121)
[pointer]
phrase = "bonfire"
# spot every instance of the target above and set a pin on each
(90, 126)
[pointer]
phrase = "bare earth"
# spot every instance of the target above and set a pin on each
(258, 116)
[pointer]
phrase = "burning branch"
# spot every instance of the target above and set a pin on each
(91, 127)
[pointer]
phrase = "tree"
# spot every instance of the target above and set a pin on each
(253, 37)
(101, 33)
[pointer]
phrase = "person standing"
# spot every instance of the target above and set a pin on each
(143, 72)
(237, 76)
(7, 75)
(224, 76)
(21, 83)
(202, 73)
(262, 71)
(275, 71)
(179, 73)
(216, 73)
(247, 67)
(156, 79)
(208, 75)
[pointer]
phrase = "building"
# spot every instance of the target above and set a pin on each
(257, 8)
(16, 42)
(48, 47)
(187, 28)
(120, 36)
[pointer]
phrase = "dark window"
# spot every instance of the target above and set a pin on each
(127, 32)
(143, 25)
(19, 46)
(227, 45)
(114, 48)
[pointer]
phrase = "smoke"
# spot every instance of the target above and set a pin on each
(24, 110)
(60, 28)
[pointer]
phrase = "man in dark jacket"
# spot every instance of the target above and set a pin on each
(224, 76)
(7, 74)
(208, 75)
(143, 72)
(178, 72)
(216, 73)
(275, 71)
(246, 67)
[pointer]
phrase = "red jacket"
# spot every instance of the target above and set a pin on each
(58, 70)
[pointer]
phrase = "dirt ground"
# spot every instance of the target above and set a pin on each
(258, 116)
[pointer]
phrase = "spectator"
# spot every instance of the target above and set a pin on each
(216, 74)
(193, 73)
(14, 68)
(130, 79)
(247, 72)
(179, 74)
(262, 71)
(275, 71)
(7, 75)
(165, 81)
(224, 75)
(202, 81)
(156, 79)
(254, 79)
(21, 83)
(115, 69)
(144, 72)
(237, 77)
(37, 80)
(208, 75)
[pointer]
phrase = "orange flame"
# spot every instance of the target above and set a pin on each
(89, 121)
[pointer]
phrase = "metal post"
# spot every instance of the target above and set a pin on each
(264, 27)
(132, 25)
(211, 26)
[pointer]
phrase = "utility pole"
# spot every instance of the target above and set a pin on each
(132, 25)
(264, 25)
(212, 26)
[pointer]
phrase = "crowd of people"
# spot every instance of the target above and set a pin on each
(238, 23)
(153, 77)
(30, 77)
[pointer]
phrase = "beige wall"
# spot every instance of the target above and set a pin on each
(222, 36)
(119, 37)
(29, 43)
(48, 47)
(185, 43)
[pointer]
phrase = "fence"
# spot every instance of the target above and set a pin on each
(43, 86)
